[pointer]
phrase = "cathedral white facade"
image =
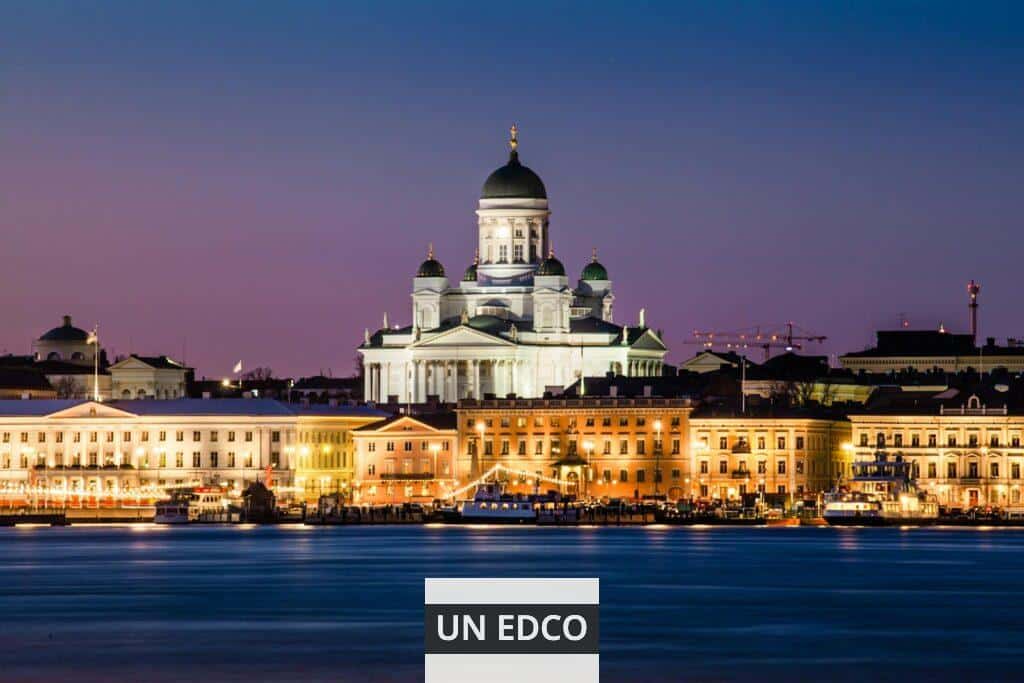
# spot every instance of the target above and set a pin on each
(512, 325)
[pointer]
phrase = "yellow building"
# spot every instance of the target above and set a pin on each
(599, 447)
(792, 455)
(325, 450)
(406, 459)
(965, 450)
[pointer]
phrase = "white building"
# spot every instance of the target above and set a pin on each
(512, 324)
(143, 377)
(76, 448)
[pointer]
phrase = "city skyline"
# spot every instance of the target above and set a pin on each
(266, 193)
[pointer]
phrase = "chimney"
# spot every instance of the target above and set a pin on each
(613, 391)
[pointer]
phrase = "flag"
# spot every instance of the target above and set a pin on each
(238, 367)
(93, 338)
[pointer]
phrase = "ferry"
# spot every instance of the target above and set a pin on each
(193, 505)
(491, 505)
(881, 493)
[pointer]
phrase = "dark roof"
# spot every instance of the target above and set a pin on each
(667, 386)
(767, 409)
(60, 367)
(470, 274)
(23, 378)
(66, 332)
(790, 366)
(36, 408)
(324, 410)
(197, 406)
(322, 382)
(918, 343)
(594, 271)
(513, 181)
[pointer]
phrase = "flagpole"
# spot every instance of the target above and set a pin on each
(96, 363)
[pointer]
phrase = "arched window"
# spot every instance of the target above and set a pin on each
(53, 355)
(974, 402)
(141, 393)
(127, 393)
(77, 355)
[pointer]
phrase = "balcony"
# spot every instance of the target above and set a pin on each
(95, 468)
(969, 481)
(407, 476)
(740, 474)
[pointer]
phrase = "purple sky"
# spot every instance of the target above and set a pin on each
(260, 183)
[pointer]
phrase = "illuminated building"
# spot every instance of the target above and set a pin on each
(81, 451)
(405, 459)
(966, 446)
(788, 454)
(325, 452)
(512, 324)
(601, 447)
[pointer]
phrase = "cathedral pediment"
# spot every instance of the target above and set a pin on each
(462, 336)
(648, 341)
(92, 409)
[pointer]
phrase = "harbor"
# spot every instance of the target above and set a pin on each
(680, 603)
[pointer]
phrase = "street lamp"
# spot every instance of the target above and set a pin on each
(588, 446)
(435, 448)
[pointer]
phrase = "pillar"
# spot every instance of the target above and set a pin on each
(477, 392)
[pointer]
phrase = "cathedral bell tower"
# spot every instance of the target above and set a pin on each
(512, 217)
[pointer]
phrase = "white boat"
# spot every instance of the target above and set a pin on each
(209, 504)
(490, 505)
(881, 493)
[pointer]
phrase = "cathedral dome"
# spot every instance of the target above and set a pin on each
(470, 274)
(594, 270)
(66, 332)
(431, 267)
(513, 180)
(551, 266)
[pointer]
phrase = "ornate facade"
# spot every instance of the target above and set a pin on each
(512, 324)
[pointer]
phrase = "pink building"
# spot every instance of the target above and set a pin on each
(405, 459)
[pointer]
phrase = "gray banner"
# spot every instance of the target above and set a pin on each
(511, 629)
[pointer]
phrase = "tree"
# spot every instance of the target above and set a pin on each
(258, 374)
(68, 387)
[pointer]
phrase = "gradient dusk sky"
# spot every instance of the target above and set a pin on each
(260, 180)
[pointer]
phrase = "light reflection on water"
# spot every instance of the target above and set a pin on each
(345, 604)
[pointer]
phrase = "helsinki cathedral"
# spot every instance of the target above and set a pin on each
(512, 324)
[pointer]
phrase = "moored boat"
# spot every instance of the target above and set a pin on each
(881, 492)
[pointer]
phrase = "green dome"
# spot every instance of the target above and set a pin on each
(551, 266)
(594, 271)
(470, 274)
(430, 268)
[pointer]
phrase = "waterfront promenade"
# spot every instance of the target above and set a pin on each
(294, 603)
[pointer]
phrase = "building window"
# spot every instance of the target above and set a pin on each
(1015, 470)
(799, 443)
(760, 443)
(488, 448)
(606, 476)
(213, 436)
(196, 459)
(641, 447)
(275, 436)
(951, 440)
(641, 476)
(504, 446)
(723, 466)
(951, 470)
(1015, 442)
(607, 448)
(703, 466)
(623, 421)
(993, 441)
(781, 443)
(624, 476)
(179, 460)
(248, 460)
(522, 447)
(371, 469)
(972, 440)
(915, 440)
(676, 473)
(675, 446)
(231, 458)
(538, 447)
(389, 446)
(781, 467)
(372, 447)
(196, 436)
(799, 466)
(623, 447)
(782, 488)
(213, 459)
(864, 440)
(897, 440)
(933, 440)
(723, 442)
(994, 470)
(407, 446)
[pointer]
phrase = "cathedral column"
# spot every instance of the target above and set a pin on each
(515, 377)
(410, 378)
(477, 393)
(385, 381)
(374, 381)
(509, 377)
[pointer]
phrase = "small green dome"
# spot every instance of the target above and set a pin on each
(594, 270)
(551, 266)
(470, 274)
(431, 267)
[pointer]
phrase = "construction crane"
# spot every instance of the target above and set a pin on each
(787, 336)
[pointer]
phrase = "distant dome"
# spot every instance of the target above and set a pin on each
(513, 180)
(551, 266)
(431, 267)
(470, 274)
(594, 270)
(66, 332)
